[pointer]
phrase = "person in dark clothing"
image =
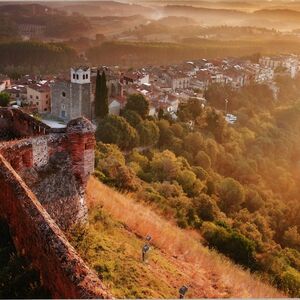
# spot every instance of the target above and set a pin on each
(145, 249)
(182, 291)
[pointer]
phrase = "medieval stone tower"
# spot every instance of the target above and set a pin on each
(73, 98)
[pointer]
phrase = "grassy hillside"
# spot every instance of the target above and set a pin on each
(236, 185)
(112, 246)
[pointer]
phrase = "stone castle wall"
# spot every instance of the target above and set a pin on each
(42, 178)
(38, 237)
(56, 167)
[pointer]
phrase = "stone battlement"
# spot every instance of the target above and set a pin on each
(43, 175)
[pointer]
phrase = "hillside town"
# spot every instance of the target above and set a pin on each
(70, 95)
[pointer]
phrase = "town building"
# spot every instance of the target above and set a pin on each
(17, 93)
(4, 83)
(178, 80)
(38, 95)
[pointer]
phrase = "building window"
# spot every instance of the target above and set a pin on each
(77, 76)
(47, 96)
(73, 75)
(37, 97)
(63, 94)
(87, 76)
(37, 103)
(30, 96)
(83, 76)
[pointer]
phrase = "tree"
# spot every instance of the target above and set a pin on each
(148, 132)
(101, 96)
(232, 195)
(216, 124)
(206, 207)
(165, 133)
(203, 160)
(291, 238)
(98, 95)
(191, 110)
(253, 201)
(231, 243)
(4, 99)
(216, 95)
(193, 142)
(116, 130)
(104, 96)
(187, 179)
(160, 114)
(111, 169)
(139, 104)
(165, 166)
(132, 117)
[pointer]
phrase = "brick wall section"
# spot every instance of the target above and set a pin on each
(56, 167)
(21, 124)
(25, 125)
(81, 147)
(38, 237)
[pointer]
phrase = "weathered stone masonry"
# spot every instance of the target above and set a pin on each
(54, 166)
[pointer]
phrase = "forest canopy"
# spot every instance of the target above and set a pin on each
(236, 184)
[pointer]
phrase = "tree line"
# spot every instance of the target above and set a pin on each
(36, 57)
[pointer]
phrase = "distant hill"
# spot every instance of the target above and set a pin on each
(105, 8)
(201, 10)
(174, 21)
(278, 13)
(269, 18)
(26, 10)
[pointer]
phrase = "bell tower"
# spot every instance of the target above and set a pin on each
(81, 75)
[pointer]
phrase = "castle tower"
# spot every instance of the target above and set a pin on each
(73, 99)
(82, 142)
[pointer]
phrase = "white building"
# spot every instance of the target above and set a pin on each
(4, 83)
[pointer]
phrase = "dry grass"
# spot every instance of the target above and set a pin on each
(178, 243)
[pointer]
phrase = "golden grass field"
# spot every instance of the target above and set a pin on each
(207, 273)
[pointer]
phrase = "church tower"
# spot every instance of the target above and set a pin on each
(81, 75)
(72, 99)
